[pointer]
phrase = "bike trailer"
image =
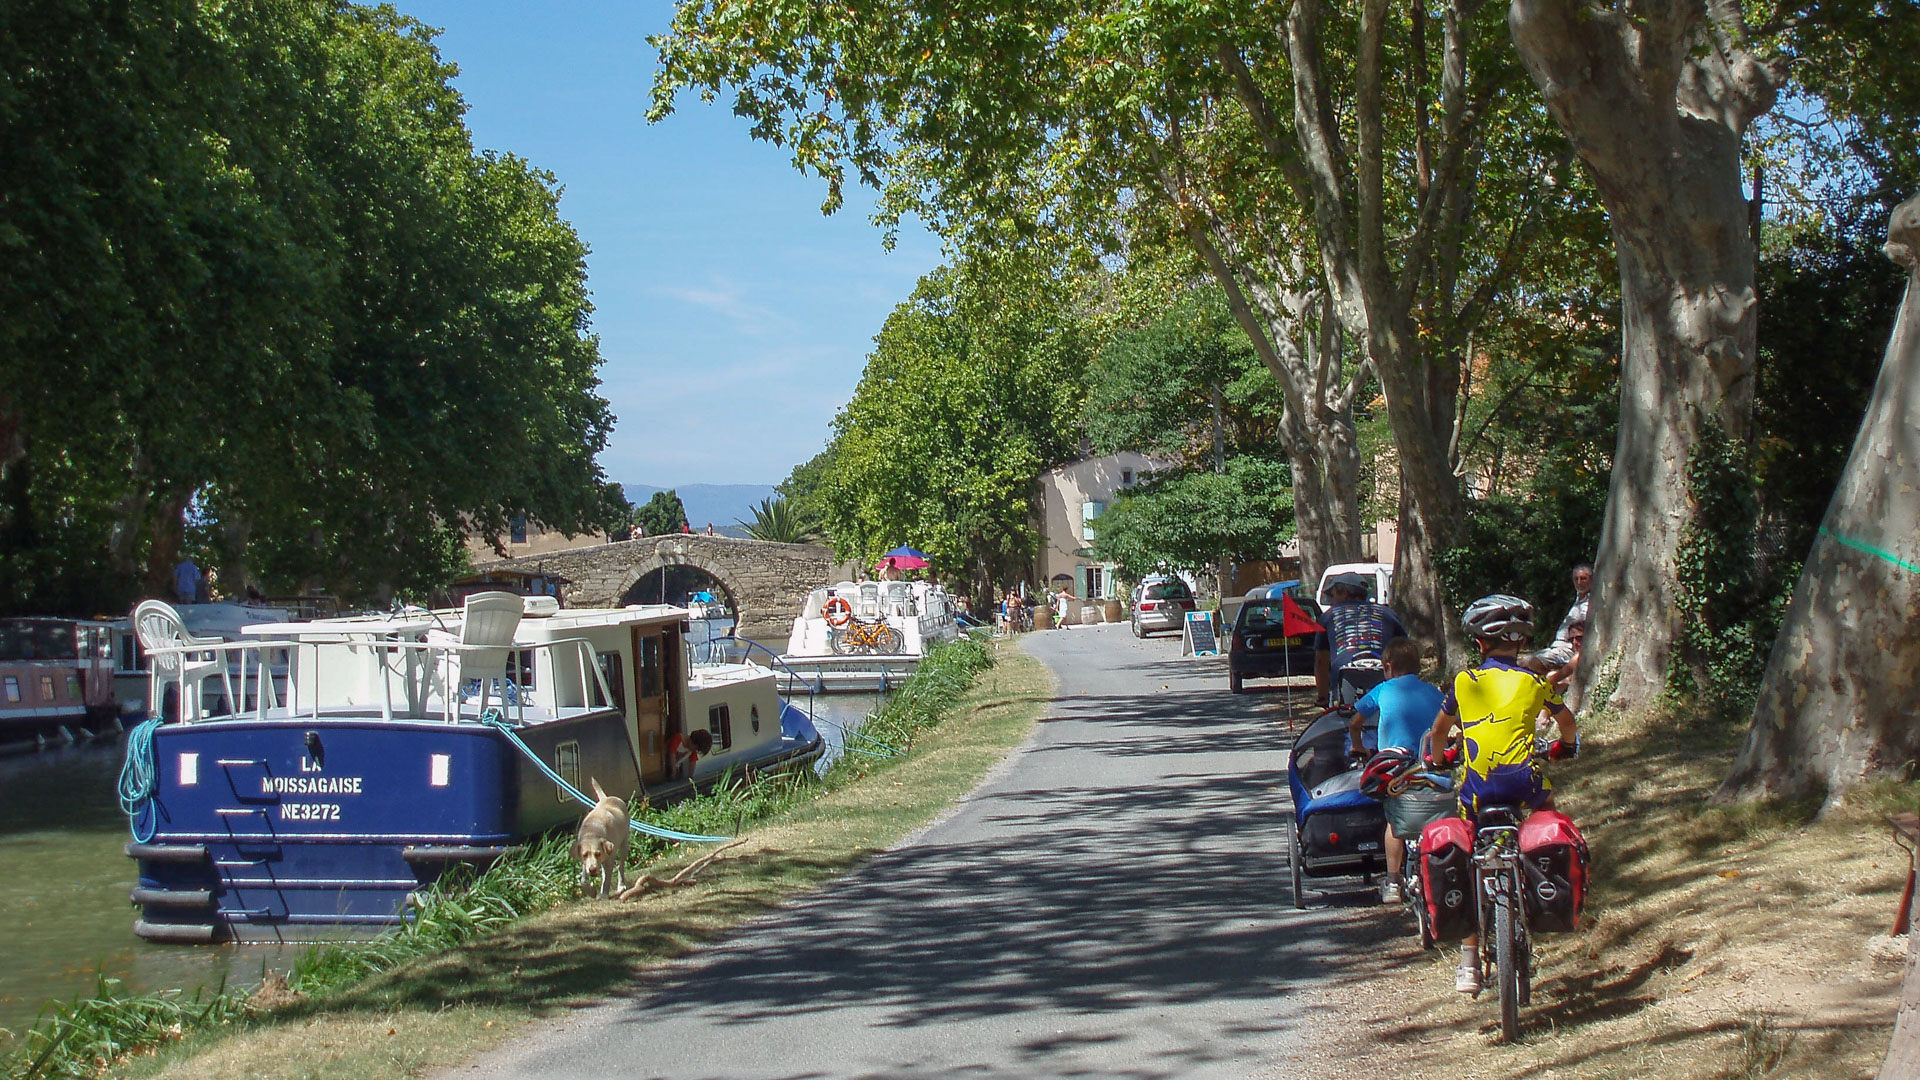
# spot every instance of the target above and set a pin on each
(1339, 828)
(1555, 857)
(1446, 878)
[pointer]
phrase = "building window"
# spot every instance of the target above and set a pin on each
(1126, 477)
(1089, 512)
(519, 530)
(1096, 582)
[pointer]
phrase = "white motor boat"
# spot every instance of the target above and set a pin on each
(868, 635)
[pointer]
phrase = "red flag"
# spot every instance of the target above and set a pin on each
(1293, 621)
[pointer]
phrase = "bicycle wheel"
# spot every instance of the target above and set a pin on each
(891, 641)
(1506, 933)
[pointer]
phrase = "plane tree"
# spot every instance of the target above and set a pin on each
(974, 386)
(1362, 184)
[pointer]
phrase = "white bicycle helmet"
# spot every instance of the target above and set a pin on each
(1498, 618)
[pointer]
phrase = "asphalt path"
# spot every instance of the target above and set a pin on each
(1111, 902)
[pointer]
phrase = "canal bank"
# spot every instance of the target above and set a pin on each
(65, 877)
(531, 967)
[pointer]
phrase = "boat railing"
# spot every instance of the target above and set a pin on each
(408, 673)
(774, 660)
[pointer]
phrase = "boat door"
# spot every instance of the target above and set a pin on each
(658, 674)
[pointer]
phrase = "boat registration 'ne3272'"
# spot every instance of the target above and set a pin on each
(348, 765)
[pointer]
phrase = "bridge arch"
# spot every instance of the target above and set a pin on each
(766, 582)
(631, 591)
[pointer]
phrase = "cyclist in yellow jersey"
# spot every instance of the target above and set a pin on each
(1493, 705)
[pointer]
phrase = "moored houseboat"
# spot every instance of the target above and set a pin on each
(403, 745)
(56, 677)
(866, 636)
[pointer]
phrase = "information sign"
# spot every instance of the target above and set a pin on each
(1200, 638)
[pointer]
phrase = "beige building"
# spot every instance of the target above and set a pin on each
(1072, 498)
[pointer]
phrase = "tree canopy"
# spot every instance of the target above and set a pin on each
(974, 387)
(265, 298)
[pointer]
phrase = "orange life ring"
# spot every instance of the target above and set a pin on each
(837, 611)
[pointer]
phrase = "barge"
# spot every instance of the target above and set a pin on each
(402, 746)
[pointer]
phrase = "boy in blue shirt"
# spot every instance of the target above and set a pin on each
(1405, 707)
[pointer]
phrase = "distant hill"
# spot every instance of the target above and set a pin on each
(721, 504)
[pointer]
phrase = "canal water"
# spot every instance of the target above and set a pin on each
(64, 881)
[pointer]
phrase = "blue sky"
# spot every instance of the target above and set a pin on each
(733, 318)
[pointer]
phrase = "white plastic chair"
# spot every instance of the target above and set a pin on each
(489, 619)
(160, 627)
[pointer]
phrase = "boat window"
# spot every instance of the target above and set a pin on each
(720, 726)
(566, 762)
(652, 665)
(523, 669)
(46, 688)
(611, 667)
(13, 688)
(73, 687)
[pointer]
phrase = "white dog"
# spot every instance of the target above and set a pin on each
(601, 844)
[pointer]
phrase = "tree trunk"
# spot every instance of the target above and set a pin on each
(169, 531)
(1687, 350)
(1903, 1053)
(1655, 105)
(1840, 700)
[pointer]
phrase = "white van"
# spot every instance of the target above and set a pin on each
(1380, 576)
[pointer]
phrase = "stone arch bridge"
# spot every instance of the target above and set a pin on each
(767, 582)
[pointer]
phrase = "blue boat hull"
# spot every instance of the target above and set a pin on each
(295, 831)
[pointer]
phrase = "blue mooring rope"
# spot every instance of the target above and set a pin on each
(138, 778)
(493, 719)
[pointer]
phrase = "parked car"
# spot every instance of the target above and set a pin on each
(1378, 576)
(1259, 649)
(1161, 602)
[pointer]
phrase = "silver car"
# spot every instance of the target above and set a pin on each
(1160, 603)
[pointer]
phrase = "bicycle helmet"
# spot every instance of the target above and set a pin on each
(1498, 618)
(1381, 770)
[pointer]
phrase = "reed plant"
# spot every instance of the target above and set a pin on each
(942, 679)
(82, 1038)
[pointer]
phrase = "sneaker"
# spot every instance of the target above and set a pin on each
(1467, 979)
(1391, 893)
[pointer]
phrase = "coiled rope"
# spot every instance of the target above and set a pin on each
(138, 779)
(495, 720)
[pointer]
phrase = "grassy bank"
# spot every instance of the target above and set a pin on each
(481, 962)
(1719, 942)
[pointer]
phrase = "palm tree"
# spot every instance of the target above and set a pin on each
(776, 520)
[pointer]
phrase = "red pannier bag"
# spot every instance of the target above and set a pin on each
(1446, 878)
(1555, 857)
